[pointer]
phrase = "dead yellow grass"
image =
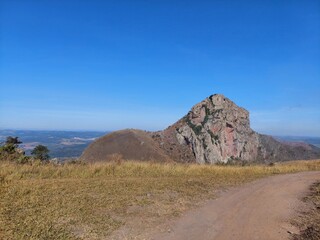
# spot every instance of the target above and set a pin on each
(309, 221)
(91, 201)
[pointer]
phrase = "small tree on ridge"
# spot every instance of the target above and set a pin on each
(12, 140)
(41, 152)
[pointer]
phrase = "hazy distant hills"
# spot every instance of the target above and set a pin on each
(72, 143)
(311, 140)
(60, 143)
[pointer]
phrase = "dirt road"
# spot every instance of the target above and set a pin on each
(259, 210)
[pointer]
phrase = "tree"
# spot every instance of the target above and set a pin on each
(12, 140)
(9, 150)
(10, 145)
(41, 152)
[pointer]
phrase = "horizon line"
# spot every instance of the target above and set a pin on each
(109, 131)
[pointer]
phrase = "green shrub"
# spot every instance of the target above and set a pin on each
(41, 152)
(196, 128)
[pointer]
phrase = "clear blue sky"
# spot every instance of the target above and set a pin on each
(107, 65)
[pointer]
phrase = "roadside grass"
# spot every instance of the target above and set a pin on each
(90, 201)
(309, 221)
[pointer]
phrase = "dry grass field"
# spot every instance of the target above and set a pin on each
(309, 221)
(90, 201)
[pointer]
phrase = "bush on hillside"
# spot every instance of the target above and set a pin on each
(13, 140)
(9, 151)
(41, 152)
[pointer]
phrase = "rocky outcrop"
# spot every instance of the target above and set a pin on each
(215, 130)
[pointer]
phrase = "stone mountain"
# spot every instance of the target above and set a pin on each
(215, 130)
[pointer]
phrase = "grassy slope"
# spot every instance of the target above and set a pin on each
(91, 201)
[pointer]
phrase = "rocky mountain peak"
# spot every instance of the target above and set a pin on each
(218, 108)
(217, 130)
(214, 130)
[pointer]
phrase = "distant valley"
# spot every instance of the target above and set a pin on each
(62, 144)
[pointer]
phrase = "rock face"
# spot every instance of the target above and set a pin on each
(215, 130)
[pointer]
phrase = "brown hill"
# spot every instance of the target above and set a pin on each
(130, 143)
(214, 130)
